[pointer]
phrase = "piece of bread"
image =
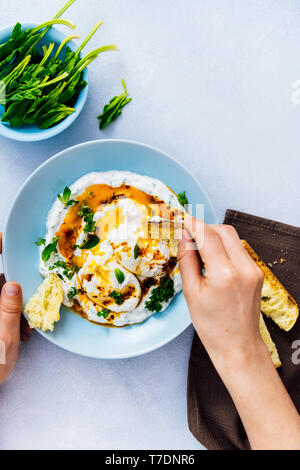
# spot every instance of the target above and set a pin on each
(43, 309)
(268, 342)
(276, 302)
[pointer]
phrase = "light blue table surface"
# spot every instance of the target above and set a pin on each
(212, 85)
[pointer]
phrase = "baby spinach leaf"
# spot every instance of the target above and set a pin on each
(113, 109)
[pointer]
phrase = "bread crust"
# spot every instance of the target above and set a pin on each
(264, 332)
(287, 318)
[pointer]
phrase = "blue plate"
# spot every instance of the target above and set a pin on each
(28, 133)
(27, 222)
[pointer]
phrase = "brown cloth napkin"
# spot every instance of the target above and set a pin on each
(212, 416)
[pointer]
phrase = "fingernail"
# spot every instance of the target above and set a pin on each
(11, 289)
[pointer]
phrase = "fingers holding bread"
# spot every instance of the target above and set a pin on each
(209, 244)
(237, 254)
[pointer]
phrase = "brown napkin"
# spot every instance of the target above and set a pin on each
(212, 416)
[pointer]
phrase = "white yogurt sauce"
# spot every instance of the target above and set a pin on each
(57, 215)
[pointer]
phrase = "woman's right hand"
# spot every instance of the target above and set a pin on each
(224, 302)
(225, 306)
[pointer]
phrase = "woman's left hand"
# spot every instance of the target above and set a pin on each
(12, 327)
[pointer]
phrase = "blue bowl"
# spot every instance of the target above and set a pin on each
(28, 133)
(27, 222)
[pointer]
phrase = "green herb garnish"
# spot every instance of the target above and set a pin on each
(42, 88)
(136, 251)
(65, 198)
(113, 109)
(51, 248)
(41, 241)
(182, 198)
(88, 216)
(118, 297)
(91, 242)
(120, 276)
(104, 313)
(162, 293)
(68, 271)
(72, 293)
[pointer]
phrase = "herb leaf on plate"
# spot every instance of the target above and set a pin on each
(104, 313)
(72, 293)
(120, 276)
(162, 293)
(88, 217)
(91, 242)
(118, 297)
(68, 270)
(183, 200)
(65, 198)
(51, 248)
(41, 241)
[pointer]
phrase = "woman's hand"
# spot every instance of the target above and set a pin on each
(225, 302)
(10, 315)
(13, 327)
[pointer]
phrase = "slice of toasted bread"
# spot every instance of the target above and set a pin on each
(43, 309)
(268, 342)
(276, 302)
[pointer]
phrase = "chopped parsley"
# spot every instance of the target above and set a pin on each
(41, 241)
(118, 297)
(68, 271)
(162, 293)
(136, 251)
(88, 217)
(51, 248)
(72, 293)
(182, 198)
(65, 198)
(104, 313)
